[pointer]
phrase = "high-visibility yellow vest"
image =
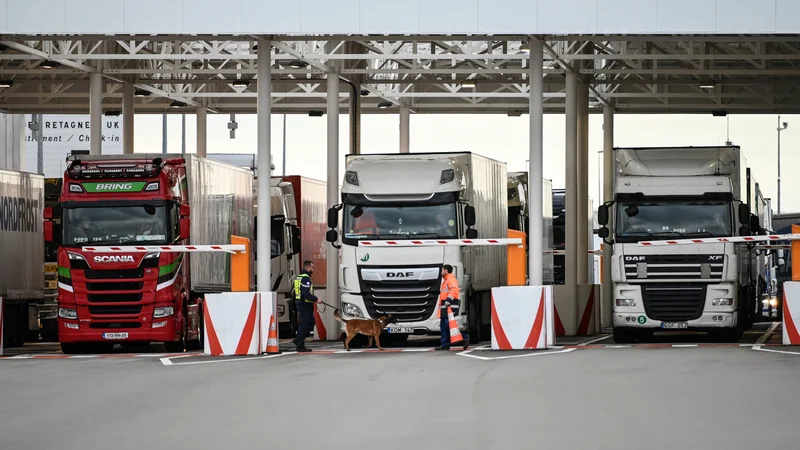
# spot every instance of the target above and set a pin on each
(298, 294)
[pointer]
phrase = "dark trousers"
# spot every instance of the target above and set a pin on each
(305, 321)
(444, 327)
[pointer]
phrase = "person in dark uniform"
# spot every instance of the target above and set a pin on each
(304, 300)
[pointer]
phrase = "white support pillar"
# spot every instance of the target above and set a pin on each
(583, 183)
(535, 165)
(606, 306)
(202, 126)
(405, 119)
(573, 215)
(127, 118)
(332, 286)
(95, 113)
(263, 163)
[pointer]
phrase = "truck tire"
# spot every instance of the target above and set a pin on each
(75, 348)
(197, 344)
(624, 336)
(180, 345)
(473, 320)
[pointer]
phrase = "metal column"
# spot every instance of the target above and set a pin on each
(607, 299)
(263, 164)
(583, 183)
(127, 118)
(535, 164)
(95, 113)
(202, 126)
(332, 286)
(405, 119)
(573, 214)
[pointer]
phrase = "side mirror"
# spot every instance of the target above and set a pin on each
(48, 231)
(184, 210)
(744, 214)
(603, 232)
(744, 230)
(781, 261)
(602, 215)
(333, 219)
(754, 225)
(185, 227)
(469, 216)
(48, 213)
(472, 233)
(296, 243)
(331, 236)
(780, 254)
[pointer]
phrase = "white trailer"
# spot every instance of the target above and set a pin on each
(421, 195)
(669, 193)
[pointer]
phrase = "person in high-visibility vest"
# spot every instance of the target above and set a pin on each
(449, 296)
(304, 300)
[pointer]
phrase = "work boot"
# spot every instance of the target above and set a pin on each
(441, 347)
(303, 350)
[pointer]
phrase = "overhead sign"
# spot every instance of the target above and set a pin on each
(63, 133)
(133, 186)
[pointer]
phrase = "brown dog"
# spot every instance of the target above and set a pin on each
(368, 327)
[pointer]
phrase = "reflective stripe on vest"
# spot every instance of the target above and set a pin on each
(298, 293)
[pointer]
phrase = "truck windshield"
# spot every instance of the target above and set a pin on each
(115, 225)
(665, 220)
(383, 222)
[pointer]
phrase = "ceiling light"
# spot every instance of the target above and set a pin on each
(297, 63)
(468, 84)
(364, 92)
(315, 113)
(141, 92)
(525, 47)
(6, 83)
(48, 64)
(385, 104)
(707, 85)
(113, 113)
(177, 104)
(240, 83)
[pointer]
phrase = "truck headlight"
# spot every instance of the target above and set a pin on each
(67, 313)
(352, 310)
(626, 302)
(166, 311)
(351, 177)
(722, 302)
(76, 257)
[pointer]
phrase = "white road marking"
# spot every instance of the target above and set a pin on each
(619, 346)
(583, 344)
(483, 358)
(759, 348)
(765, 337)
(168, 361)
(684, 345)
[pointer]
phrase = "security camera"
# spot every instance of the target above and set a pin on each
(785, 124)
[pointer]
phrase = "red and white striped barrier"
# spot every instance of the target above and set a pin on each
(791, 313)
(440, 242)
(522, 317)
(717, 240)
(231, 324)
(167, 249)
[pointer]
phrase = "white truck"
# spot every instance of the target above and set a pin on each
(420, 196)
(683, 192)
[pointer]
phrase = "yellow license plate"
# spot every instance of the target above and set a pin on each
(50, 268)
(52, 284)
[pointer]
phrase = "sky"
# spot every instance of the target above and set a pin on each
(500, 137)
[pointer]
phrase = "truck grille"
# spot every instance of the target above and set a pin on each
(115, 309)
(92, 274)
(115, 298)
(660, 268)
(672, 302)
(408, 300)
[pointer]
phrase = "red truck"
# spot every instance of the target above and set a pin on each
(145, 199)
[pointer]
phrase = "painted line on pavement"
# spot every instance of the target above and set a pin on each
(583, 344)
(760, 349)
(168, 361)
(768, 334)
(467, 354)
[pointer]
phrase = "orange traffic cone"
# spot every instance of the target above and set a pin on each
(272, 337)
(455, 334)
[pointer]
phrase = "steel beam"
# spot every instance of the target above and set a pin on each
(128, 119)
(263, 165)
(96, 114)
(535, 166)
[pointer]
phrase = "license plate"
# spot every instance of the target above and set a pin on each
(115, 335)
(674, 325)
(50, 268)
(400, 330)
(52, 284)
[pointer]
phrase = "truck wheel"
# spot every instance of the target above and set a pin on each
(473, 320)
(75, 348)
(197, 344)
(180, 345)
(624, 336)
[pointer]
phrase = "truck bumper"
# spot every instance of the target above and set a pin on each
(429, 327)
(712, 317)
(72, 331)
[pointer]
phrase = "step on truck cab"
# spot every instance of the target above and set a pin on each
(420, 196)
(673, 193)
(147, 200)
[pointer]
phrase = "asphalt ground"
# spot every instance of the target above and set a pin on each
(583, 395)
